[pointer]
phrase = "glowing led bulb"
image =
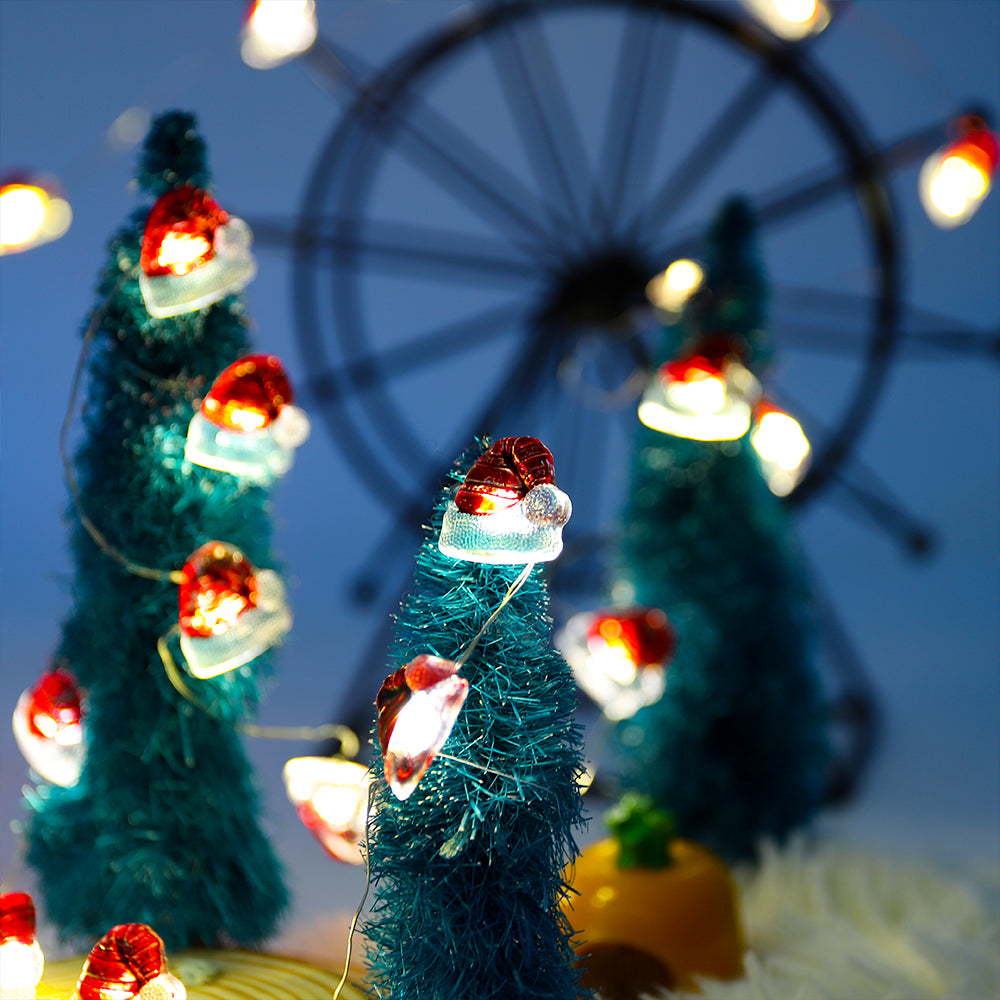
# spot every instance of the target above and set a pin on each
(706, 395)
(247, 425)
(275, 31)
(417, 709)
(21, 959)
(229, 612)
(31, 213)
(330, 795)
(671, 288)
(619, 656)
(782, 447)
(49, 728)
(955, 179)
(790, 19)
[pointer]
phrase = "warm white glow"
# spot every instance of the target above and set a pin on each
(181, 251)
(783, 449)
(704, 407)
(21, 968)
(670, 289)
(796, 11)
(22, 213)
(247, 419)
(790, 19)
(702, 393)
(278, 30)
(29, 216)
(951, 189)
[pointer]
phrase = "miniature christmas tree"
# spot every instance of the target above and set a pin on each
(736, 749)
(161, 826)
(467, 867)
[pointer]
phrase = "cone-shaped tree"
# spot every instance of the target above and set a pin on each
(468, 869)
(737, 747)
(161, 827)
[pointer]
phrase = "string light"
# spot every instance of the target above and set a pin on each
(671, 288)
(792, 20)
(247, 425)
(275, 31)
(128, 962)
(705, 394)
(782, 448)
(48, 728)
(193, 253)
(956, 178)
(619, 656)
(508, 510)
(417, 707)
(230, 612)
(32, 212)
(21, 958)
(330, 795)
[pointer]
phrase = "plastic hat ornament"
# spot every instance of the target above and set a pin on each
(193, 253)
(508, 510)
(619, 656)
(955, 179)
(275, 31)
(330, 795)
(417, 708)
(128, 962)
(21, 959)
(706, 393)
(247, 425)
(49, 729)
(230, 612)
(32, 212)
(782, 448)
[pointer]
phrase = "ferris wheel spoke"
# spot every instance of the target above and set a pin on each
(392, 248)
(454, 162)
(541, 110)
(645, 69)
(925, 334)
(427, 348)
(708, 151)
(862, 494)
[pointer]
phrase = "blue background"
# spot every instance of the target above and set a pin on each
(927, 630)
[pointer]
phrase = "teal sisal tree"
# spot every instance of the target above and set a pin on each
(161, 826)
(736, 748)
(468, 869)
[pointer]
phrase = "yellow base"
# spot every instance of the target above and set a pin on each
(222, 975)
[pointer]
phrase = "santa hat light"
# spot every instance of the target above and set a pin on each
(782, 448)
(229, 612)
(193, 253)
(955, 179)
(705, 394)
(49, 729)
(508, 510)
(21, 959)
(247, 425)
(330, 795)
(417, 708)
(619, 656)
(128, 962)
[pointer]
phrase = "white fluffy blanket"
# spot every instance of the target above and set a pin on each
(832, 922)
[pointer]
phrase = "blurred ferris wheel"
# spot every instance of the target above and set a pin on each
(512, 183)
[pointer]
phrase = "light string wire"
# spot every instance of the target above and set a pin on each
(515, 586)
(361, 905)
(463, 658)
(99, 538)
(350, 745)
